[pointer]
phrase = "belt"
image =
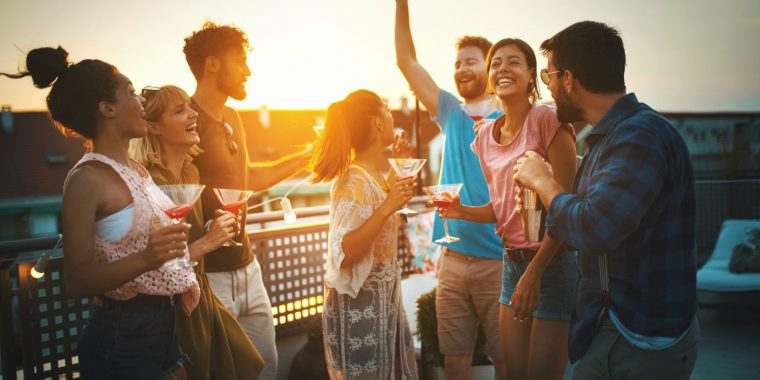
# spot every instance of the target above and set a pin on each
(142, 301)
(519, 254)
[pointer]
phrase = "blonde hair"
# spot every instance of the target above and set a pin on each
(347, 127)
(147, 149)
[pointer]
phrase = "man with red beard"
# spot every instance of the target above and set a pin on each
(217, 57)
(469, 273)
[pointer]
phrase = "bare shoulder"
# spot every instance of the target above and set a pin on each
(88, 175)
(82, 188)
(95, 183)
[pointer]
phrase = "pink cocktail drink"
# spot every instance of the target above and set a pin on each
(233, 200)
(442, 202)
(233, 207)
(178, 213)
(442, 197)
(176, 201)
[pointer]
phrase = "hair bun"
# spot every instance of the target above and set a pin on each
(46, 64)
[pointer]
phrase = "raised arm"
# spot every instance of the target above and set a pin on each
(406, 58)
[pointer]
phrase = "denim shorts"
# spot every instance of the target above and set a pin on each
(558, 285)
(122, 340)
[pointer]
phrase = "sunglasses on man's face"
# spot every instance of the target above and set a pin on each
(546, 75)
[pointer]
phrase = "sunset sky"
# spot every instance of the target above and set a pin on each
(682, 55)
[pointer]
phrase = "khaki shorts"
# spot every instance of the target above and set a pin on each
(468, 294)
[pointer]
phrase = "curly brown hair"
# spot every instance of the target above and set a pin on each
(212, 40)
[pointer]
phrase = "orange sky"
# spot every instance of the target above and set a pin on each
(682, 55)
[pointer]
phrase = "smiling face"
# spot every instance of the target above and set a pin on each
(469, 72)
(128, 110)
(177, 124)
(509, 74)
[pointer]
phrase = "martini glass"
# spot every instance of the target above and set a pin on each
(176, 201)
(232, 200)
(443, 196)
(485, 109)
(406, 168)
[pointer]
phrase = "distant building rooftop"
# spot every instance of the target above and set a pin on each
(35, 156)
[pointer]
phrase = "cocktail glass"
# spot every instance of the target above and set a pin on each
(176, 201)
(232, 201)
(443, 196)
(406, 168)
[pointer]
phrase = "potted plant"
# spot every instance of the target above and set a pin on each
(427, 332)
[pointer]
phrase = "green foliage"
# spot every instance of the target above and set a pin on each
(427, 331)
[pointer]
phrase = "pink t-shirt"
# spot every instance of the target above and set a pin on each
(496, 161)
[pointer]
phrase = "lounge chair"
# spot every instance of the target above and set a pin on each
(716, 286)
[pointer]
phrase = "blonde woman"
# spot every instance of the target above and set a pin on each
(365, 327)
(212, 339)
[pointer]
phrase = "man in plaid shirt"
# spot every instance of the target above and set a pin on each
(631, 216)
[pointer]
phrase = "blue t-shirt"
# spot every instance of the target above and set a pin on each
(461, 165)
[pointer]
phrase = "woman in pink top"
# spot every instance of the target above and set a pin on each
(538, 282)
(115, 240)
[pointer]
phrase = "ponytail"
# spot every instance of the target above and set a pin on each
(347, 127)
(333, 155)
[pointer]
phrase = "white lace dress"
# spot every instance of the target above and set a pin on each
(365, 327)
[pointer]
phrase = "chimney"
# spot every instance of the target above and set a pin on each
(7, 119)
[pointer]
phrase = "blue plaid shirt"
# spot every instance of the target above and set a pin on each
(634, 202)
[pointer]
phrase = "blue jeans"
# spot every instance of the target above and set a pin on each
(559, 285)
(130, 340)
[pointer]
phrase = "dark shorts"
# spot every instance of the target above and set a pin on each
(134, 339)
(558, 285)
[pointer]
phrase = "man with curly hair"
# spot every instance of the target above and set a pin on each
(217, 56)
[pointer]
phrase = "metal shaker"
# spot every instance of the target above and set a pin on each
(533, 215)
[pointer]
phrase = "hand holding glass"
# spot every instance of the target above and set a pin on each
(406, 168)
(232, 201)
(176, 201)
(443, 197)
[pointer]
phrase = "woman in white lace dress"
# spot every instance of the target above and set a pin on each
(366, 332)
